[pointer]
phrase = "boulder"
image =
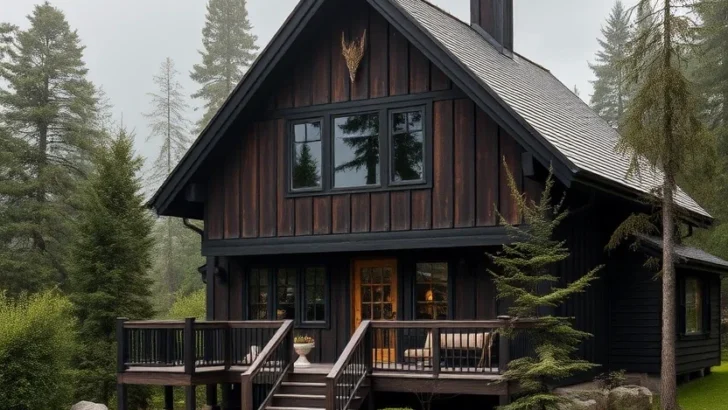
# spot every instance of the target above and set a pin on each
(585, 393)
(576, 404)
(630, 398)
(87, 405)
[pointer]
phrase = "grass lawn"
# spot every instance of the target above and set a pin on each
(709, 393)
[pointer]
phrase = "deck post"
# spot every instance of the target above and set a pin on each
(120, 345)
(330, 394)
(504, 352)
(168, 398)
(189, 345)
(436, 351)
(191, 397)
(246, 393)
(211, 396)
(121, 399)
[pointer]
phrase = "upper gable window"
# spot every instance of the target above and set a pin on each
(307, 156)
(369, 150)
(356, 151)
(408, 146)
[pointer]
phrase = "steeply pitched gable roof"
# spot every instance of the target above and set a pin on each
(545, 103)
(541, 113)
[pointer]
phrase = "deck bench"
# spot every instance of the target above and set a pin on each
(481, 342)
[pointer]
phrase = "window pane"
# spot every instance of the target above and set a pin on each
(286, 294)
(258, 294)
(431, 291)
(407, 147)
(314, 295)
(306, 169)
(356, 151)
(693, 306)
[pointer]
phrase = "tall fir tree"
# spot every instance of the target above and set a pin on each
(610, 87)
(112, 256)
(229, 50)
(49, 109)
(525, 276)
(168, 121)
(662, 128)
(177, 249)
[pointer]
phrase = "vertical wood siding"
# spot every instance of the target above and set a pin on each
(247, 195)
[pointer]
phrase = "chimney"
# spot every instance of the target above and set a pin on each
(495, 19)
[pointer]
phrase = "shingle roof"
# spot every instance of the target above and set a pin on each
(546, 104)
(687, 253)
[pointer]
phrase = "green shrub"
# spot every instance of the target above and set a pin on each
(37, 341)
(192, 305)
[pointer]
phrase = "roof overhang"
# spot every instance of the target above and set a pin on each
(686, 256)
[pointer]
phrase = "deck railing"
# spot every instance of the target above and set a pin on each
(191, 345)
(264, 376)
(350, 371)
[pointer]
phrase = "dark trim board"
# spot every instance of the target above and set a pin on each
(402, 101)
(446, 238)
(444, 384)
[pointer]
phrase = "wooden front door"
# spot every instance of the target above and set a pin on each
(375, 298)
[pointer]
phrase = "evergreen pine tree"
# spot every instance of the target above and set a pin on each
(229, 50)
(111, 258)
(525, 270)
(610, 91)
(662, 128)
(168, 121)
(49, 109)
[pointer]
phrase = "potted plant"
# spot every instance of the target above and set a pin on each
(303, 345)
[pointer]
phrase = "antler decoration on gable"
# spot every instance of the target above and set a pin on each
(353, 53)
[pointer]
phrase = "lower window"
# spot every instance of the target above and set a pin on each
(694, 302)
(296, 293)
(431, 291)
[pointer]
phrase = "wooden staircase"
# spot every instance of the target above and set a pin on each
(307, 391)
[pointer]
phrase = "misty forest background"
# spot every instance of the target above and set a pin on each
(78, 248)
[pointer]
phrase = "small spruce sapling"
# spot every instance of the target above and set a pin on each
(526, 277)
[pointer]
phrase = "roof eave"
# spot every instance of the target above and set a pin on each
(606, 185)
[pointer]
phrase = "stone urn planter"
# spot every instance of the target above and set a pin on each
(303, 345)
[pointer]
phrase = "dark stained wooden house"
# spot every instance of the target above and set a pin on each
(357, 206)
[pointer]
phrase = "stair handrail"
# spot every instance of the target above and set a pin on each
(360, 336)
(283, 335)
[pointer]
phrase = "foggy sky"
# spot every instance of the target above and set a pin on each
(126, 41)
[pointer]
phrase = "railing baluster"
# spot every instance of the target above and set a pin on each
(435, 350)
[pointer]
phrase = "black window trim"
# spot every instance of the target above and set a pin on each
(272, 298)
(291, 141)
(426, 149)
(384, 110)
(450, 285)
(682, 308)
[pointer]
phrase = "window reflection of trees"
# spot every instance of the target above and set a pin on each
(360, 135)
(306, 171)
(407, 146)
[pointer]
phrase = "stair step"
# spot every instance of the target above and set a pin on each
(300, 396)
(293, 408)
(303, 384)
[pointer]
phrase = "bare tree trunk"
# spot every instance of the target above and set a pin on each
(668, 376)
